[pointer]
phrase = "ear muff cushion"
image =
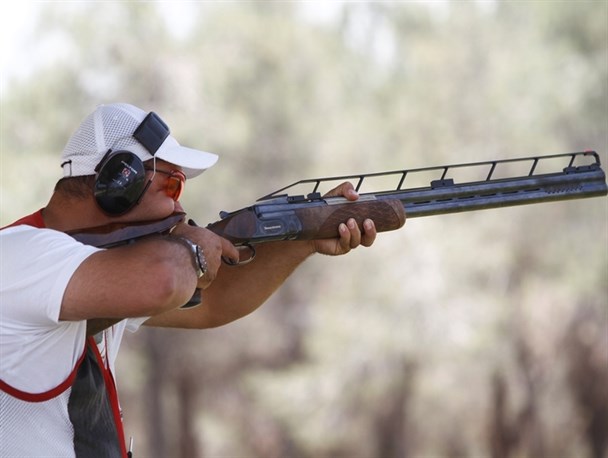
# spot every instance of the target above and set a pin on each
(120, 182)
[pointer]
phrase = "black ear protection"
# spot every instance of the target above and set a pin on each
(120, 180)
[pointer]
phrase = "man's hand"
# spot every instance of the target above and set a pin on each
(214, 248)
(350, 234)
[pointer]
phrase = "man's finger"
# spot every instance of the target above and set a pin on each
(355, 233)
(369, 233)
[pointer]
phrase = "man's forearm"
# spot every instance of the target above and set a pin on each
(239, 290)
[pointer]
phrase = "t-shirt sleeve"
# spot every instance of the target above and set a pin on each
(37, 265)
(133, 324)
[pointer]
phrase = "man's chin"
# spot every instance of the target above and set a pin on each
(177, 208)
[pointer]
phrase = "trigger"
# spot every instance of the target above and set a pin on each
(241, 248)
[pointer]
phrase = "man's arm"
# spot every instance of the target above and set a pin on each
(142, 279)
(239, 290)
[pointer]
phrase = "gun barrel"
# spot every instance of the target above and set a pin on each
(455, 198)
(578, 176)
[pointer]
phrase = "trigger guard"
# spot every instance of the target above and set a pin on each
(251, 257)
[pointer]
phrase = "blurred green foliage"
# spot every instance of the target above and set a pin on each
(465, 335)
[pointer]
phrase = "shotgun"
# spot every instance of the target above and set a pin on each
(451, 189)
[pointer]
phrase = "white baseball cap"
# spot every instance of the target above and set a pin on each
(112, 127)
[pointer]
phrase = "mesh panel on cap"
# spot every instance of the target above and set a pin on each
(118, 128)
(110, 126)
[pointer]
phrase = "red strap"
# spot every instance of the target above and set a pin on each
(50, 394)
(112, 394)
(35, 220)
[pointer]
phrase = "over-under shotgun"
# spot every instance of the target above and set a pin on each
(500, 183)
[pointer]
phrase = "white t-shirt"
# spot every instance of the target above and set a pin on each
(38, 352)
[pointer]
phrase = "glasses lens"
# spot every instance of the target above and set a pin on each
(175, 185)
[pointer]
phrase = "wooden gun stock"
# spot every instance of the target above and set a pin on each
(319, 221)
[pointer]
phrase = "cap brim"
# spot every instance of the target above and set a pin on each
(192, 162)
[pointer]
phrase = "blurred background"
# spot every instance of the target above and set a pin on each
(472, 335)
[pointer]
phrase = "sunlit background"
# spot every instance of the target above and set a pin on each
(479, 334)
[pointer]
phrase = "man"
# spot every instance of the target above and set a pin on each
(65, 305)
